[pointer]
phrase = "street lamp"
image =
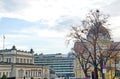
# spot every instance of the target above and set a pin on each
(104, 70)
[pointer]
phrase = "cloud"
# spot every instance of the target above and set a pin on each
(12, 5)
(43, 33)
(48, 11)
(114, 27)
(33, 33)
(113, 8)
(45, 44)
(50, 20)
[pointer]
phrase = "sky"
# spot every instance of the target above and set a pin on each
(43, 24)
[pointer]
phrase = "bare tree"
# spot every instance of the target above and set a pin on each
(83, 59)
(95, 41)
(113, 58)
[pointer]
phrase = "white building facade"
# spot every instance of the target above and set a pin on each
(20, 65)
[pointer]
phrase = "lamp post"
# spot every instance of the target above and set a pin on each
(116, 71)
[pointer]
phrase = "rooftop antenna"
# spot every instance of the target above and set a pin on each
(3, 42)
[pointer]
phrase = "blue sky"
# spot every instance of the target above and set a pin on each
(43, 24)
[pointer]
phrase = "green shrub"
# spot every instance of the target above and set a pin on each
(32, 78)
(4, 76)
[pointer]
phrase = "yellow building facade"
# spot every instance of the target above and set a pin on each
(112, 66)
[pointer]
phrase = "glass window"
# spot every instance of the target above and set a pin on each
(20, 73)
(26, 73)
(17, 60)
(24, 60)
(20, 60)
(117, 73)
(39, 73)
(27, 60)
(8, 60)
(30, 60)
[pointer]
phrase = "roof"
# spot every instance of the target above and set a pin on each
(79, 46)
(14, 48)
(115, 46)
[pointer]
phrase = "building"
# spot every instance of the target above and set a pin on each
(61, 64)
(20, 65)
(102, 51)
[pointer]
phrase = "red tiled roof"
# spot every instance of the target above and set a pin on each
(115, 46)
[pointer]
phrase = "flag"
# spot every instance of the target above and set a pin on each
(3, 41)
(3, 36)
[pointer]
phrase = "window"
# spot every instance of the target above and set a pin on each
(8, 60)
(27, 60)
(20, 60)
(31, 73)
(35, 73)
(30, 60)
(24, 60)
(17, 60)
(20, 73)
(117, 73)
(39, 73)
(26, 73)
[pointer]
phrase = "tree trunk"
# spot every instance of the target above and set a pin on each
(85, 72)
(95, 72)
(101, 69)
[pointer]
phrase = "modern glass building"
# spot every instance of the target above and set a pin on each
(61, 64)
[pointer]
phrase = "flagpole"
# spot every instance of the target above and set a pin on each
(3, 42)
